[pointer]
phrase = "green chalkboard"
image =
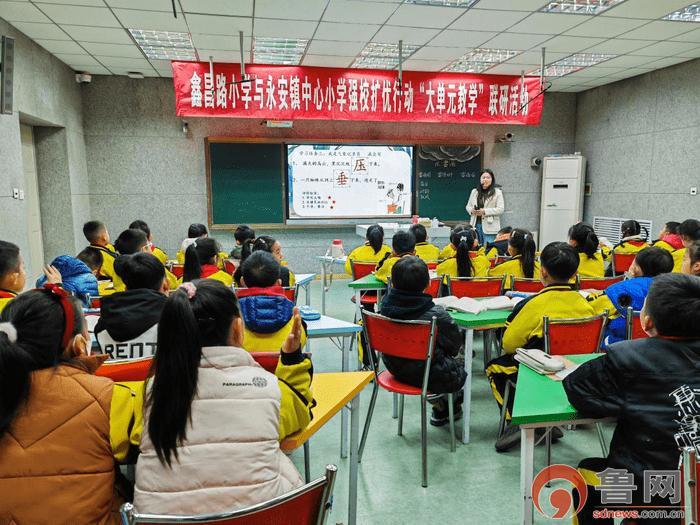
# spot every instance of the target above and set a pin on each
(245, 183)
(445, 176)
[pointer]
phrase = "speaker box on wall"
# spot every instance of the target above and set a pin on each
(7, 69)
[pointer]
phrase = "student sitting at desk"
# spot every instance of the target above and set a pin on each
(214, 417)
(632, 239)
(403, 243)
(647, 384)
(689, 230)
(202, 262)
(194, 232)
(500, 245)
(585, 242)
(374, 249)
(525, 326)
(426, 251)
(267, 244)
(157, 252)
(467, 261)
(266, 311)
(128, 324)
(97, 235)
(406, 300)
(523, 262)
(12, 274)
(76, 277)
(451, 249)
(671, 241)
(241, 234)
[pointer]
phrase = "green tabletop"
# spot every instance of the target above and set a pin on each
(538, 399)
(487, 319)
(368, 282)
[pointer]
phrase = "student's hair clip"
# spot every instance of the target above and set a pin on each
(463, 238)
(68, 312)
(9, 330)
(189, 288)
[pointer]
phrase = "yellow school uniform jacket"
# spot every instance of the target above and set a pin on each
(513, 269)
(428, 252)
(160, 254)
(493, 253)
(631, 247)
(259, 342)
(172, 280)
(366, 253)
(591, 267)
(677, 253)
(180, 256)
(480, 262)
(5, 297)
(383, 272)
(525, 325)
(108, 257)
(222, 277)
(447, 252)
(606, 251)
(602, 302)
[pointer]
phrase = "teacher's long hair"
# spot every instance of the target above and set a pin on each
(484, 194)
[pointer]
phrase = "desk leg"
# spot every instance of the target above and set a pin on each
(354, 441)
(467, 402)
(308, 293)
(344, 411)
(358, 305)
(527, 460)
(323, 287)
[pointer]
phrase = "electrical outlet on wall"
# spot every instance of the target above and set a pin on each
(15, 193)
(693, 190)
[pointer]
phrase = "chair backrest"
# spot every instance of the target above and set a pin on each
(434, 286)
(229, 266)
(502, 258)
(268, 360)
(634, 325)
(476, 286)
(584, 283)
(432, 265)
(621, 262)
(690, 472)
(95, 302)
(178, 270)
(527, 285)
(126, 369)
(309, 505)
(291, 293)
(492, 261)
(582, 335)
(361, 269)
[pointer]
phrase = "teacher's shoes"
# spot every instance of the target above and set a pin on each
(511, 437)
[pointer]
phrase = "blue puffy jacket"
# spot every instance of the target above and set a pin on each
(631, 292)
(77, 277)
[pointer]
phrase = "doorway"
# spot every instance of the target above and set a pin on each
(35, 257)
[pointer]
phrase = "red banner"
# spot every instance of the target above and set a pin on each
(300, 92)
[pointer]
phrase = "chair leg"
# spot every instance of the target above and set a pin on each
(424, 440)
(549, 450)
(395, 409)
(504, 408)
(401, 400)
(307, 463)
(601, 438)
(451, 413)
(487, 346)
(365, 431)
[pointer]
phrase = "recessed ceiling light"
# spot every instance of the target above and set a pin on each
(443, 3)
(573, 63)
(134, 74)
(480, 59)
(580, 7)
(687, 14)
(286, 51)
(164, 45)
(377, 55)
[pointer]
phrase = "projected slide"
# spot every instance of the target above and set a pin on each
(345, 181)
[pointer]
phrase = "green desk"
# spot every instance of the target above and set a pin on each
(540, 403)
(366, 284)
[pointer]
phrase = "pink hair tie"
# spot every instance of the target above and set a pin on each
(190, 289)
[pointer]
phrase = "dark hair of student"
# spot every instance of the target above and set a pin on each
(138, 224)
(483, 194)
(410, 274)
(375, 237)
(524, 244)
(560, 260)
(690, 228)
(672, 227)
(92, 229)
(693, 251)
(586, 239)
(140, 270)
(666, 293)
(260, 270)
(185, 327)
(244, 232)
(403, 242)
(264, 243)
(419, 232)
(202, 251)
(631, 228)
(9, 257)
(505, 229)
(196, 230)
(130, 241)
(91, 257)
(463, 240)
(654, 261)
(38, 318)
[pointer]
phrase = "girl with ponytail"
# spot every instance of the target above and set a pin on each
(467, 261)
(523, 264)
(634, 238)
(212, 413)
(270, 245)
(202, 262)
(585, 242)
(373, 250)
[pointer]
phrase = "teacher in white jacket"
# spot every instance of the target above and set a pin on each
(485, 207)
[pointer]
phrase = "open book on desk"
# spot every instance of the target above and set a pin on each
(469, 305)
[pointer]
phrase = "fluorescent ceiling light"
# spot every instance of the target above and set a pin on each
(573, 63)
(580, 7)
(286, 51)
(376, 55)
(443, 3)
(480, 59)
(687, 14)
(164, 45)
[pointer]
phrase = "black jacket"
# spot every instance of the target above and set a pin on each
(446, 373)
(126, 315)
(634, 382)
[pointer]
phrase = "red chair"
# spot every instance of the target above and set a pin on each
(229, 266)
(502, 258)
(621, 262)
(527, 285)
(634, 325)
(408, 340)
(359, 270)
(178, 270)
(291, 292)
(432, 265)
(268, 360)
(475, 286)
(492, 262)
(306, 505)
(586, 283)
(126, 369)
(95, 302)
(690, 473)
(434, 286)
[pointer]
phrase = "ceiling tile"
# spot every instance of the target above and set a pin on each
(121, 62)
(666, 62)
(327, 61)
(161, 65)
(605, 27)
(659, 30)
(424, 16)
(535, 57)
(667, 49)
(346, 32)
(604, 71)
(628, 61)
(219, 25)
(21, 12)
(220, 55)
(506, 69)
(629, 72)
(548, 23)
(328, 47)
(147, 71)
(354, 11)
(60, 46)
(93, 70)
(36, 30)
(584, 73)
(439, 53)
(82, 59)
(151, 20)
(113, 50)
(152, 5)
(517, 41)
(98, 34)
(648, 9)
(166, 74)
(510, 5)
(72, 14)
(223, 42)
(284, 28)
(425, 65)
(219, 7)
(691, 36)
(487, 20)
(618, 46)
(570, 44)
(410, 35)
(297, 10)
(461, 39)
(93, 3)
